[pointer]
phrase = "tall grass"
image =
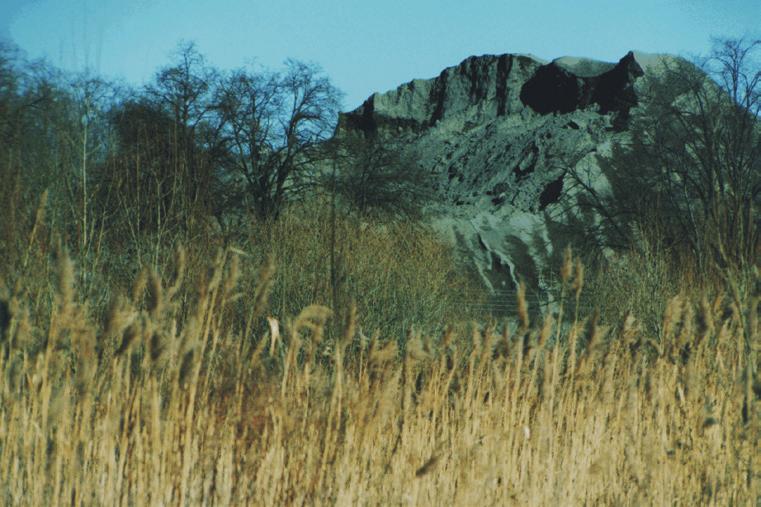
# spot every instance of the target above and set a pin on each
(166, 400)
(398, 274)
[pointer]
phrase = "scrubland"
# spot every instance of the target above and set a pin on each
(254, 373)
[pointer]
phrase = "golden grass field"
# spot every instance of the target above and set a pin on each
(191, 389)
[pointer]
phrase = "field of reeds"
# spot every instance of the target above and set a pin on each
(212, 379)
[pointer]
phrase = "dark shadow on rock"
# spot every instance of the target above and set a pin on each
(553, 89)
(551, 193)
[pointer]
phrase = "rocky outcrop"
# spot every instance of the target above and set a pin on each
(483, 87)
(500, 134)
(555, 88)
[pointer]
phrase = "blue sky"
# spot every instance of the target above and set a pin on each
(364, 46)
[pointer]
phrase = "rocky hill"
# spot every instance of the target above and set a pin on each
(500, 134)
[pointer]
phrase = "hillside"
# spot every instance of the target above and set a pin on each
(501, 134)
(191, 313)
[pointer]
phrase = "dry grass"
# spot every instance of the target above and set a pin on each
(167, 402)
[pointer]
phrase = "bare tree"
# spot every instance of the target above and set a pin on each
(184, 91)
(274, 124)
(377, 177)
(89, 136)
(692, 162)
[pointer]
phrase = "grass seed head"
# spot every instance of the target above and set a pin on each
(566, 270)
(138, 287)
(578, 281)
(155, 296)
(180, 263)
(263, 287)
(415, 348)
(65, 274)
(523, 307)
(129, 337)
(546, 330)
(379, 357)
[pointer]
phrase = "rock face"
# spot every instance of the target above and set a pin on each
(500, 134)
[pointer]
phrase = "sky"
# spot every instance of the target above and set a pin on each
(364, 46)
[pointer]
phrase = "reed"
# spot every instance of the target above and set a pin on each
(172, 396)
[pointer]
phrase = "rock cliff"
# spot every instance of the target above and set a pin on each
(500, 134)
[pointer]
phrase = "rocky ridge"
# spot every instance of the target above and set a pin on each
(500, 133)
